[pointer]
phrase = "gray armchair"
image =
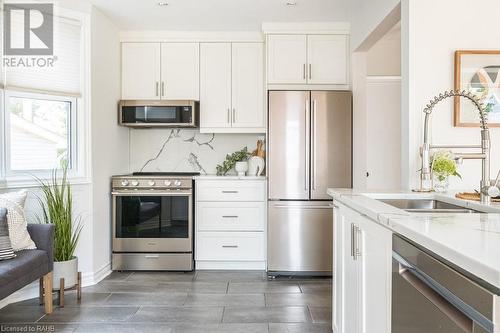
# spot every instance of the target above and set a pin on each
(31, 265)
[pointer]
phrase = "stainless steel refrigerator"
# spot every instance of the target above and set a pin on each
(309, 150)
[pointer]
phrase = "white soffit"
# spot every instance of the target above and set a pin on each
(217, 15)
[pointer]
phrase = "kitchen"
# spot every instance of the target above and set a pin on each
(211, 148)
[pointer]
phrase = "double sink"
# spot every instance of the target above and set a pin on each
(427, 206)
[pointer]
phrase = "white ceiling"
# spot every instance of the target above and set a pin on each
(214, 15)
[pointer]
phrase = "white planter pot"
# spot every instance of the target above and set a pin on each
(67, 270)
(241, 168)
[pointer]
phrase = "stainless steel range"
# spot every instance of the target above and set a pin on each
(153, 221)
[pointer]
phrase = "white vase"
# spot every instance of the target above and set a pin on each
(241, 168)
(67, 270)
(255, 166)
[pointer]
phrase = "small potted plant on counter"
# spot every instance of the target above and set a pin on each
(57, 205)
(237, 160)
(443, 166)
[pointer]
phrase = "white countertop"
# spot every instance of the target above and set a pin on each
(230, 177)
(470, 241)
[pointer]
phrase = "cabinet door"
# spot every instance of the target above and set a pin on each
(215, 86)
(286, 59)
(141, 71)
(350, 280)
(327, 59)
(180, 71)
(248, 85)
(376, 267)
(338, 267)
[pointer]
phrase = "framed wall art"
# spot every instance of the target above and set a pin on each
(479, 72)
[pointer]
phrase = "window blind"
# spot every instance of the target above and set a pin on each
(64, 76)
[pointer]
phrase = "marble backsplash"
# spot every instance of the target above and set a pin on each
(169, 150)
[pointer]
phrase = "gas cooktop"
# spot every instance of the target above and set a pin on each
(166, 174)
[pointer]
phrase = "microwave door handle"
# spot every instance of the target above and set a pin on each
(455, 315)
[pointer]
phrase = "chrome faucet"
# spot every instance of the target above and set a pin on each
(487, 191)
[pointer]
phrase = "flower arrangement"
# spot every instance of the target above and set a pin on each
(444, 165)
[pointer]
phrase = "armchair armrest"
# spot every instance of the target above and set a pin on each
(43, 236)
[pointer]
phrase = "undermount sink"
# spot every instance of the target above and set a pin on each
(426, 206)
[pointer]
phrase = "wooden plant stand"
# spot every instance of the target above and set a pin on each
(62, 290)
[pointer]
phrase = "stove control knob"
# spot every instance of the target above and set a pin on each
(151, 183)
(177, 183)
(124, 182)
(135, 183)
(167, 182)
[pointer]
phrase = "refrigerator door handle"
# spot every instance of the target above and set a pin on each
(313, 153)
(306, 143)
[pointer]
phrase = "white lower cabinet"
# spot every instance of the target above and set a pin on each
(362, 273)
(230, 224)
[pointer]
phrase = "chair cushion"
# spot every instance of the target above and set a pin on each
(28, 266)
(18, 230)
(6, 251)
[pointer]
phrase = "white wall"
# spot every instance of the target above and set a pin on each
(384, 58)
(366, 16)
(109, 141)
(430, 70)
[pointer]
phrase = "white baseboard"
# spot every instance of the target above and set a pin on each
(231, 265)
(31, 290)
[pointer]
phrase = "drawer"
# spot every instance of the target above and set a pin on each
(231, 246)
(230, 190)
(230, 216)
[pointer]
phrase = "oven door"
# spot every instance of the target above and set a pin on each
(152, 221)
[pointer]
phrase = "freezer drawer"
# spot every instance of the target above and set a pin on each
(300, 236)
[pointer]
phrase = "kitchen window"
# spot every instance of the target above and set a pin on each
(44, 117)
(40, 132)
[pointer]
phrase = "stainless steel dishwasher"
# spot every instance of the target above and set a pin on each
(431, 296)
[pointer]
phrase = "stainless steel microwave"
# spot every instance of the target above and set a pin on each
(156, 113)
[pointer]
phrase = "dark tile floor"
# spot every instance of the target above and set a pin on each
(205, 301)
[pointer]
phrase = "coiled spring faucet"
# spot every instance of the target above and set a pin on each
(487, 191)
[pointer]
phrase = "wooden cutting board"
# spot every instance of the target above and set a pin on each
(472, 196)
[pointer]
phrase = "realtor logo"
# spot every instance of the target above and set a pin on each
(28, 29)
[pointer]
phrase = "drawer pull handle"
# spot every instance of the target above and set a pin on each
(152, 256)
(152, 244)
(230, 216)
(230, 246)
(229, 191)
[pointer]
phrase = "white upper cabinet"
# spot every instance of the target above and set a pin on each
(286, 59)
(327, 59)
(232, 88)
(247, 81)
(141, 71)
(307, 59)
(215, 85)
(180, 71)
(160, 71)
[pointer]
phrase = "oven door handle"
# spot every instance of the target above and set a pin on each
(151, 193)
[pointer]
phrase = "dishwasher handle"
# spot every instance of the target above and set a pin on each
(455, 315)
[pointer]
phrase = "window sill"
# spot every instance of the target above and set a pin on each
(30, 183)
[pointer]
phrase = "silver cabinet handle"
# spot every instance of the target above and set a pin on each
(306, 144)
(234, 115)
(353, 240)
(157, 88)
(230, 216)
(448, 309)
(357, 250)
(230, 246)
(229, 191)
(310, 71)
(313, 159)
(162, 88)
(304, 71)
(229, 116)
(152, 256)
